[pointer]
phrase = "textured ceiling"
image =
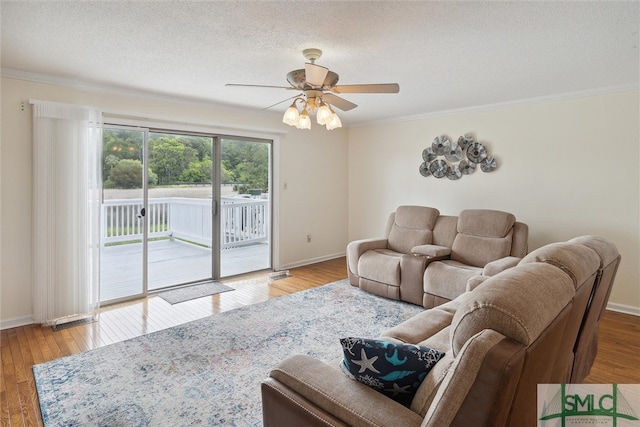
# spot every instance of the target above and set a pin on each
(444, 55)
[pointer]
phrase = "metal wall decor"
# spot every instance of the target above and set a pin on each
(454, 159)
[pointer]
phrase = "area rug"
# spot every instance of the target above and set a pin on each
(208, 372)
(187, 293)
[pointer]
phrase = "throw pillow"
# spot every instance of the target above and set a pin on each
(395, 370)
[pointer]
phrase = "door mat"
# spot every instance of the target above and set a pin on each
(187, 293)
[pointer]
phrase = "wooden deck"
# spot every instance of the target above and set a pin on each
(171, 263)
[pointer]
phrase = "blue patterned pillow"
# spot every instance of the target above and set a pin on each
(395, 370)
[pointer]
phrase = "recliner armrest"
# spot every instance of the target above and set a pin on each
(332, 391)
(499, 265)
(432, 251)
(475, 281)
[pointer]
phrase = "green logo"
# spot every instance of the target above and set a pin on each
(584, 407)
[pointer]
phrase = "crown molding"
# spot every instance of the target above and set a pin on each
(105, 88)
(507, 104)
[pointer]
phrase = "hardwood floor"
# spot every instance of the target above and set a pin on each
(618, 358)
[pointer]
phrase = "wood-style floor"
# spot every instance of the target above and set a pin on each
(618, 358)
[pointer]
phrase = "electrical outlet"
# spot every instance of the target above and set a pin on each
(308, 238)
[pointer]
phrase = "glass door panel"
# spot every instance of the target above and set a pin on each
(245, 206)
(179, 214)
(181, 208)
(121, 255)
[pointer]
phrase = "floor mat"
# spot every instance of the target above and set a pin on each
(187, 293)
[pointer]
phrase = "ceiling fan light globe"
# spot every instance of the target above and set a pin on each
(291, 116)
(334, 123)
(304, 122)
(324, 115)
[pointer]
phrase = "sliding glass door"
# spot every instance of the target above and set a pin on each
(181, 208)
(245, 206)
(123, 206)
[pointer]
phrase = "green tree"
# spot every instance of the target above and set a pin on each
(226, 175)
(248, 163)
(201, 144)
(110, 161)
(184, 158)
(199, 171)
(118, 145)
(128, 174)
(169, 158)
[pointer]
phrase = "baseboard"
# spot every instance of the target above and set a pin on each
(311, 261)
(621, 308)
(16, 322)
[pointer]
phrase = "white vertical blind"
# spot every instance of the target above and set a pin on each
(67, 146)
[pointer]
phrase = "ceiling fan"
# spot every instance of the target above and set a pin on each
(319, 87)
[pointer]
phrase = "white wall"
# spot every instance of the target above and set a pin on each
(312, 163)
(566, 168)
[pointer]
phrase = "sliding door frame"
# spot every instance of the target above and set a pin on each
(216, 178)
(145, 204)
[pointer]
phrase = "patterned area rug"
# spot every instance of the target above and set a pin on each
(187, 293)
(208, 372)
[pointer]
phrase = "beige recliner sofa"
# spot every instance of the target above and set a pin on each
(486, 242)
(426, 258)
(516, 329)
(387, 266)
(586, 347)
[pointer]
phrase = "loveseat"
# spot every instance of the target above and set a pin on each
(512, 331)
(426, 258)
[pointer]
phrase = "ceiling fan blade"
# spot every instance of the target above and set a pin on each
(338, 102)
(267, 86)
(315, 74)
(278, 103)
(372, 88)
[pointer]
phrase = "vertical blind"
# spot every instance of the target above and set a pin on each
(67, 142)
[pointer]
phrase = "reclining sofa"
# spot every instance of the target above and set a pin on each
(527, 325)
(426, 258)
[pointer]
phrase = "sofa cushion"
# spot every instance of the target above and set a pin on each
(479, 251)
(485, 222)
(421, 327)
(395, 370)
(448, 279)
(412, 226)
(445, 230)
(380, 265)
(483, 236)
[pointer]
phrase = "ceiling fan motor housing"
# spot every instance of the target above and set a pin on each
(297, 79)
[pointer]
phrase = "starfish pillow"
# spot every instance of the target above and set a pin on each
(396, 370)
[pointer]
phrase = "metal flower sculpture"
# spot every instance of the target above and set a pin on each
(460, 158)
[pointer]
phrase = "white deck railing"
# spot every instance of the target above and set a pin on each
(243, 221)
